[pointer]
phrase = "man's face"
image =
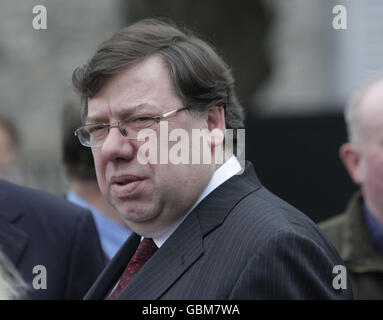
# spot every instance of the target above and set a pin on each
(371, 151)
(372, 186)
(148, 196)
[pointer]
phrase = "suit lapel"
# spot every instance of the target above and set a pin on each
(175, 256)
(185, 246)
(213, 210)
(13, 240)
(112, 272)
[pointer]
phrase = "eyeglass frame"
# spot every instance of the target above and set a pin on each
(108, 126)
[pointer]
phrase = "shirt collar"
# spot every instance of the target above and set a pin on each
(227, 170)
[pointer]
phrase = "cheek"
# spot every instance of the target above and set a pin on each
(168, 180)
(99, 166)
(177, 179)
(374, 170)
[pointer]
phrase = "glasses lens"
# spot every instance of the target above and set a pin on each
(96, 134)
(92, 135)
(83, 137)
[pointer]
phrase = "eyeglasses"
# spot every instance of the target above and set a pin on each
(94, 135)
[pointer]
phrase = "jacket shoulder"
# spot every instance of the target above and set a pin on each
(287, 248)
(16, 199)
(276, 215)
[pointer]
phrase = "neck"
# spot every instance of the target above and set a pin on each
(90, 192)
(374, 211)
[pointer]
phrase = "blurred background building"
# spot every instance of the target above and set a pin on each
(294, 73)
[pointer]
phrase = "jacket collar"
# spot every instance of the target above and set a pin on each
(13, 240)
(9, 210)
(112, 272)
(358, 251)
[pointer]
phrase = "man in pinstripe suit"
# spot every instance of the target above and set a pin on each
(215, 233)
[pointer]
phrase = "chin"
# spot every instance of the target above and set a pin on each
(138, 215)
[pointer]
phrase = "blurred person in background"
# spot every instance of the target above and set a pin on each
(84, 190)
(12, 286)
(357, 233)
(9, 149)
(53, 244)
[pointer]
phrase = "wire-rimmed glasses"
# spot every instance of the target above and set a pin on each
(94, 135)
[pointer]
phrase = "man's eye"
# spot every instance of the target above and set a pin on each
(96, 129)
(141, 122)
(142, 119)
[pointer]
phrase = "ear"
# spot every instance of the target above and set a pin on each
(351, 157)
(216, 125)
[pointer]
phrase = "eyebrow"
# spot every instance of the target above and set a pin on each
(123, 113)
(142, 107)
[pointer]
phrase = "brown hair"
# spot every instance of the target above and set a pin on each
(199, 76)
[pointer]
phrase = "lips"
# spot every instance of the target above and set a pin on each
(125, 179)
(125, 185)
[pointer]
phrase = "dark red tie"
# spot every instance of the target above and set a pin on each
(144, 251)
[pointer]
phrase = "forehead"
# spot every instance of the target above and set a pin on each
(142, 87)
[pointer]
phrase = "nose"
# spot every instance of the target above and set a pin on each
(117, 125)
(117, 145)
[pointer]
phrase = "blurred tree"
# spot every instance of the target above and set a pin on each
(238, 29)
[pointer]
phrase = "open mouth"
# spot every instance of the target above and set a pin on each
(124, 180)
(125, 185)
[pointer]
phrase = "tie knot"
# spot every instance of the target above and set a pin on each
(145, 250)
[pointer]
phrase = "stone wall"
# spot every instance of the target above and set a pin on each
(35, 74)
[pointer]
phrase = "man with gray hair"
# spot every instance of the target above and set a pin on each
(358, 232)
(201, 231)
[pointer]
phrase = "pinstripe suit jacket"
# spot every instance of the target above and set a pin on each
(240, 242)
